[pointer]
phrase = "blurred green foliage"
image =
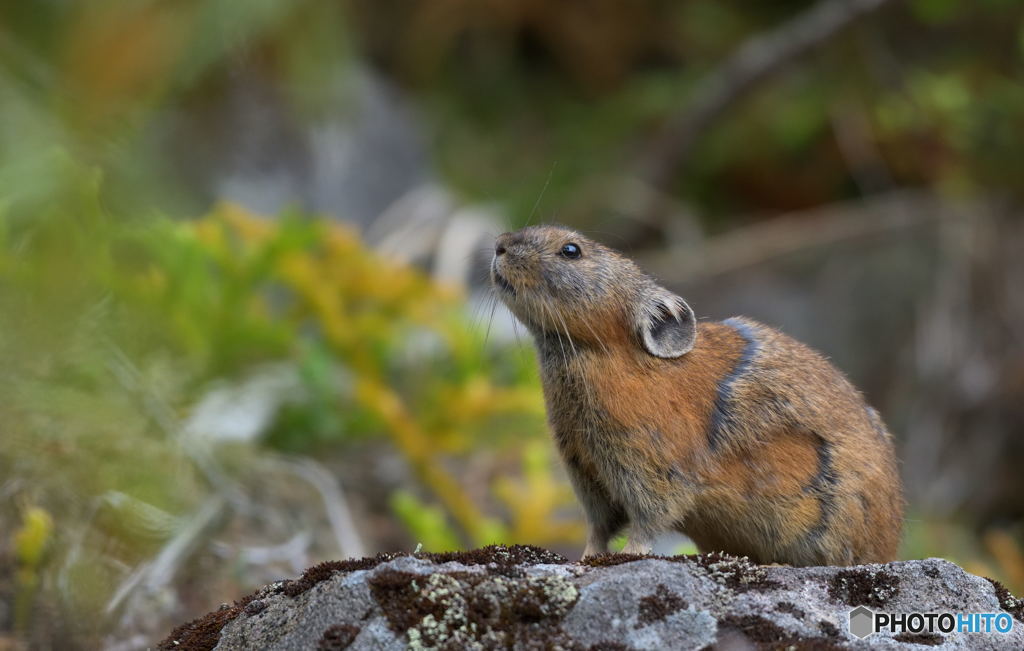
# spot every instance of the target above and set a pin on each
(516, 92)
(113, 331)
(94, 82)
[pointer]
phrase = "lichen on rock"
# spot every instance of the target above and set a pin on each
(528, 598)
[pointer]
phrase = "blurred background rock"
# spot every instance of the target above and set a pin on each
(244, 324)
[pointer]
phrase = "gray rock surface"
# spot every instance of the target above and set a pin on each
(522, 597)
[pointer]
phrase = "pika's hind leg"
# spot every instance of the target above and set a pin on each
(640, 542)
(643, 527)
(646, 523)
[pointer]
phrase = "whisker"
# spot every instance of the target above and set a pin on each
(490, 319)
(597, 339)
(565, 358)
(567, 335)
(476, 316)
(515, 332)
(588, 390)
(536, 204)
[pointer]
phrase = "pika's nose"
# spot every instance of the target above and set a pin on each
(501, 244)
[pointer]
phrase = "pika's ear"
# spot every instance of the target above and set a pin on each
(667, 326)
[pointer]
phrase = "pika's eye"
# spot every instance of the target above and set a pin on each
(571, 250)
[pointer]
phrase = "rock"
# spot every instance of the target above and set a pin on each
(528, 598)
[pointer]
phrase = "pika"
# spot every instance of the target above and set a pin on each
(730, 432)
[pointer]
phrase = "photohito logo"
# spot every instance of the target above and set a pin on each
(864, 622)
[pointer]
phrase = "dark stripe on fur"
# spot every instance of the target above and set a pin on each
(822, 486)
(722, 418)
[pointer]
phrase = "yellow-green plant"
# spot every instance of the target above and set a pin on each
(30, 544)
(113, 330)
(236, 288)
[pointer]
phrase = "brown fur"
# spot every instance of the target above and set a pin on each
(732, 433)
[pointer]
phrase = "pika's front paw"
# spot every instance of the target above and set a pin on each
(594, 549)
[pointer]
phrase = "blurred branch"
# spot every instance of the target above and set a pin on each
(338, 513)
(295, 551)
(756, 60)
(159, 573)
(812, 229)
